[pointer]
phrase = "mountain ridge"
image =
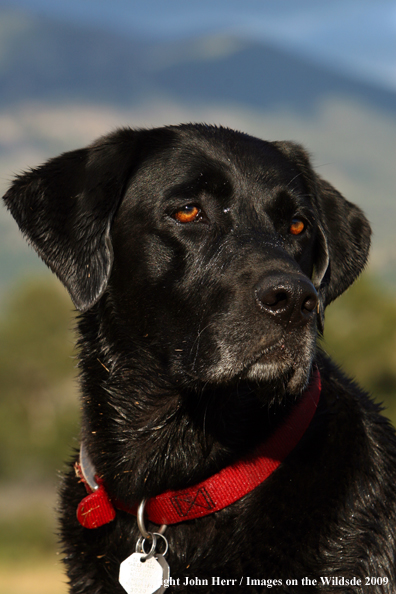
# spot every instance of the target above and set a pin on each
(61, 86)
(50, 60)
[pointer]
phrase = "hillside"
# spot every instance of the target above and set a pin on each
(62, 85)
(53, 61)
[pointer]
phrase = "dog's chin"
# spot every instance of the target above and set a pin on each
(272, 377)
(278, 369)
(280, 376)
(285, 367)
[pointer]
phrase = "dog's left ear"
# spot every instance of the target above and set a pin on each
(343, 240)
(65, 209)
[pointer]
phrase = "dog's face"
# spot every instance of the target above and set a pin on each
(214, 252)
(217, 249)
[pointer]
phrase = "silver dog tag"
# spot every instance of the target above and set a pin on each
(144, 577)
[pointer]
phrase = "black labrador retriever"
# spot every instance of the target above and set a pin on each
(201, 260)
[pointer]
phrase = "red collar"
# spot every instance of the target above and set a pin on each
(217, 491)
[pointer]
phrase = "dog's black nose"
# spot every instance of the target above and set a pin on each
(289, 298)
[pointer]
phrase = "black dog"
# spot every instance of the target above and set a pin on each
(201, 260)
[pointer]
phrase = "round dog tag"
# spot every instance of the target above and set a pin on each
(143, 577)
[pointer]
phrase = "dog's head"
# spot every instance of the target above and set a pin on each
(217, 249)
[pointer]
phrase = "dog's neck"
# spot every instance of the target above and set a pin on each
(215, 492)
(162, 435)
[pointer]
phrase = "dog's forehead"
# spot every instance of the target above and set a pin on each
(234, 154)
(221, 162)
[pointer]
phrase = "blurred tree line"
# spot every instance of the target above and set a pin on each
(38, 390)
(39, 416)
(38, 404)
(360, 335)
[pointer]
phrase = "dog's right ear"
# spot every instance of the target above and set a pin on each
(65, 209)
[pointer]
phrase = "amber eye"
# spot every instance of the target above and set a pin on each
(187, 214)
(297, 227)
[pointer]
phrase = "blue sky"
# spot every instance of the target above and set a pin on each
(354, 36)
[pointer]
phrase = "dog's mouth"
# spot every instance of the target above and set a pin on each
(277, 362)
(278, 346)
(264, 355)
(272, 356)
(282, 366)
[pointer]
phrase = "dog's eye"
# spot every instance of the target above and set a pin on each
(297, 226)
(188, 214)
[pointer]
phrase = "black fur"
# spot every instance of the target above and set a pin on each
(196, 339)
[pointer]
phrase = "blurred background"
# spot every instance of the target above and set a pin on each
(320, 73)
